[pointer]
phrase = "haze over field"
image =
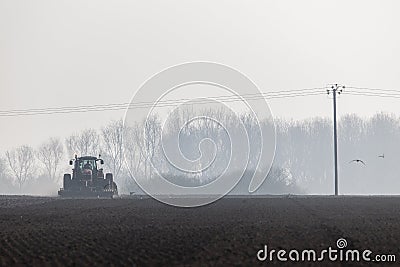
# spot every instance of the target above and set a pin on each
(303, 161)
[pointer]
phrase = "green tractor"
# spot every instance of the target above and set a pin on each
(88, 180)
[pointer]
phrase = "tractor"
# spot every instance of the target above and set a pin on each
(87, 179)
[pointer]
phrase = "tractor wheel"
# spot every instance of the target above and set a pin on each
(115, 189)
(67, 180)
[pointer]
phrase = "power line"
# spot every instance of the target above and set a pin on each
(151, 103)
(355, 91)
(175, 102)
(373, 94)
(373, 89)
(164, 103)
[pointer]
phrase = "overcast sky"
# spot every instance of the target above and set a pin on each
(69, 53)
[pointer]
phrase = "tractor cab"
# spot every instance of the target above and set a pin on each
(88, 164)
(86, 168)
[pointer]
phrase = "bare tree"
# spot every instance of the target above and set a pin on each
(22, 164)
(3, 168)
(152, 138)
(142, 146)
(85, 143)
(50, 154)
(113, 152)
(133, 150)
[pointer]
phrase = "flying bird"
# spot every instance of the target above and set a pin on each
(382, 156)
(358, 161)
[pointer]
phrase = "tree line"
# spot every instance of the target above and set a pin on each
(303, 158)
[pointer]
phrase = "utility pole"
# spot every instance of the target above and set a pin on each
(335, 89)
